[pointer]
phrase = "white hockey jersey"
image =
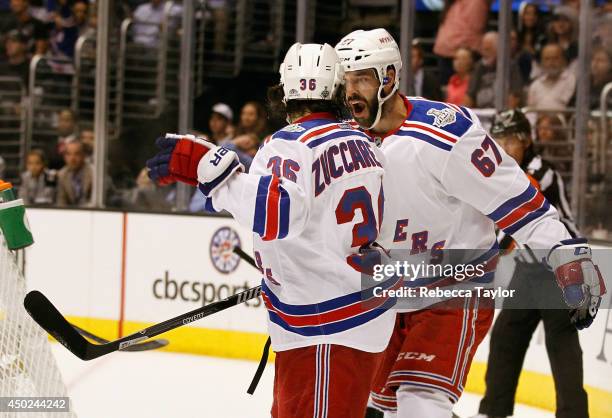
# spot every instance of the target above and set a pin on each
(447, 184)
(313, 196)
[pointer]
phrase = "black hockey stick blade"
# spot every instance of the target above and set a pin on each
(148, 345)
(52, 321)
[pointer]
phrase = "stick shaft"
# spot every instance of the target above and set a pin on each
(245, 257)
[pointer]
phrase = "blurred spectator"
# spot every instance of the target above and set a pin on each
(87, 138)
(80, 12)
(602, 34)
(520, 57)
(457, 87)
(530, 28)
(2, 167)
(555, 87)
(148, 18)
(66, 133)
(246, 146)
(220, 21)
(463, 25)
(563, 30)
(481, 90)
(17, 62)
(252, 120)
(75, 180)
(425, 84)
(551, 134)
(147, 195)
(550, 128)
(37, 182)
(219, 124)
(33, 30)
(601, 74)
(64, 32)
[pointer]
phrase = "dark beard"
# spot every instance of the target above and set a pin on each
(372, 111)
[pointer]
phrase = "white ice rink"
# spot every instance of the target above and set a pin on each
(167, 385)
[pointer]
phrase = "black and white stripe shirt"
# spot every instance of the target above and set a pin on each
(553, 188)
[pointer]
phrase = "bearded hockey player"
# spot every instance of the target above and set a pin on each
(447, 185)
(314, 200)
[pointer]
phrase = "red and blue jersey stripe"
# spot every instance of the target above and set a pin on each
(520, 210)
(272, 206)
(331, 316)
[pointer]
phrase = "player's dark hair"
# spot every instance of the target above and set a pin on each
(296, 108)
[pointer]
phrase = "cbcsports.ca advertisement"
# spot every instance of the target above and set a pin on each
(194, 265)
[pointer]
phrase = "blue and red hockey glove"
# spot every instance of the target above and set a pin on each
(579, 279)
(192, 160)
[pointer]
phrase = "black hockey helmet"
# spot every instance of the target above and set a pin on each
(510, 122)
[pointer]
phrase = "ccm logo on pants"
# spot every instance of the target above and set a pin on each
(410, 355)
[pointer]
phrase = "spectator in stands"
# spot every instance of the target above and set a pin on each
(531, 33)
(602, 33)
(17, 62)
(220, 20)
(33, 30)
(425, 84)
(601, 74)
(66, 133)
(246, 146)
(38, 183)
(75, 180)
(87, 138)
(2, 167)
(563, 30)
(520, 57)
(147, 195)
(481, 90)
(554, 89)
(463, 25)
(219, 123)
(457, 87)
(80, 12)
(148, 18)
(549, 128)
(65, 32)
(252, 120)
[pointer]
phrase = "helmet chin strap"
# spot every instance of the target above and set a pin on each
(381, 101)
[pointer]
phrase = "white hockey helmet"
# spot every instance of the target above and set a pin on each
(376, 48)
(310, 72)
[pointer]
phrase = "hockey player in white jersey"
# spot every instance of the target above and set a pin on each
(314, 200)
(447, 185)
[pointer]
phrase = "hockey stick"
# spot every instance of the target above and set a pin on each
(51, 320)
(149, 345)
(245, 257)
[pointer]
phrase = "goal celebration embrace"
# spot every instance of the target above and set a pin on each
(386, 245)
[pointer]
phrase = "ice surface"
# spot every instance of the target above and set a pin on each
(168, 385)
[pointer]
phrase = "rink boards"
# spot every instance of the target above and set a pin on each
(114, 273)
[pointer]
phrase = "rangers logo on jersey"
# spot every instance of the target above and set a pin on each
(442, 117)
(222, 250)
(293, 128)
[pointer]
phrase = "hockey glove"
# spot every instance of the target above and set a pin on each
(177, 159)
(579, 279)
(216, 167)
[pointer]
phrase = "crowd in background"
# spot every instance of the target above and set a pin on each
(460, 69)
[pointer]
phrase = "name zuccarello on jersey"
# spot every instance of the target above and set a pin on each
(340, 159)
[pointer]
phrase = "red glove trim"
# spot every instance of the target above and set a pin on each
(184, 162)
